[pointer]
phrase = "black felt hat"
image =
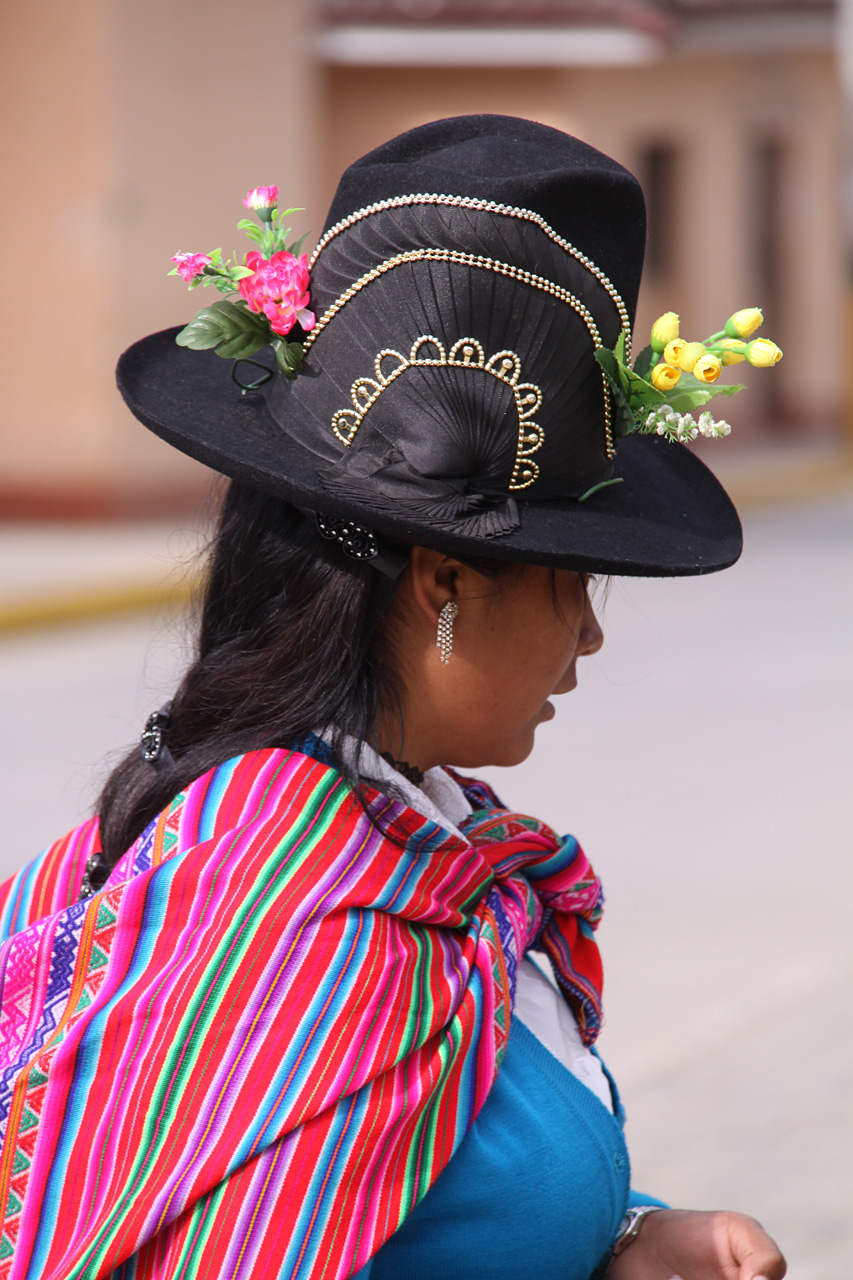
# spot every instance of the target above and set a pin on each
(449, 394)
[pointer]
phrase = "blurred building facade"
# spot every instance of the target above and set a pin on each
(150, 121)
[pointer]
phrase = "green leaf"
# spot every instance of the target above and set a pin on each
(619, 349)
(215, 257)
(278, 240)
(687, 401)
(643, 363)
(624, 422)
(254, 233)
(642, 394)
(690, 393)
(296, 247)
(288, 357)
(240, 273)
(611, 366)
(689, 383)
(222, 323)
(243, 346)
(247, 225)
(295, 355)
(632, 395)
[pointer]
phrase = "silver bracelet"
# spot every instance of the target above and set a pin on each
(629, 1228)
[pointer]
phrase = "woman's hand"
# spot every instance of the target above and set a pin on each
(699, 1246)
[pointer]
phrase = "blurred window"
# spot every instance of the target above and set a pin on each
(768, 170)
(768, 252)
(658, 173)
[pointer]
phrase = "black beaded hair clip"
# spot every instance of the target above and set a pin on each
(362, 544)
(94, 877)
(154, 751)
(153, 740)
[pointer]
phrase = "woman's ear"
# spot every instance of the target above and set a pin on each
(434, 580)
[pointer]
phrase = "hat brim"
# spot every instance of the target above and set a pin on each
(669, 516)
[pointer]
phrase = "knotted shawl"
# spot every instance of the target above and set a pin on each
(252, 1053)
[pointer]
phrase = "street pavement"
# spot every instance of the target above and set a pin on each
(705, 764)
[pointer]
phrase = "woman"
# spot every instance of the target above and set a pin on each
(272, 1012)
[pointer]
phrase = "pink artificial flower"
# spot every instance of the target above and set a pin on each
(190, 265)
(278, 289)
(261, 198)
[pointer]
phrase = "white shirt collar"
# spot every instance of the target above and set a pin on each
(440, 798)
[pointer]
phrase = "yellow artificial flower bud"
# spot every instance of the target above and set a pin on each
(673, 350)
(708, 368)
(664, 377)
(664, 329)
(762, 353)
(730, 350)
(744, 323)
(689, 354)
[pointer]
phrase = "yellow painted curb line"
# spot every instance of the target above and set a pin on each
(59, 608)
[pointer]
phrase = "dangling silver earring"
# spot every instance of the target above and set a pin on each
(444, 641)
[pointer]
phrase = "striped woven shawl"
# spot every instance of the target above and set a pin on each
(252, 1053)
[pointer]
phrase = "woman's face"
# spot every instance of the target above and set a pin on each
(516, 643)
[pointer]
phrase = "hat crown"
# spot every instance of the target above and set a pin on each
(438, 238)
(588, 198)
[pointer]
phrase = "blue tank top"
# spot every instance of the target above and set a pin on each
(536, 1190)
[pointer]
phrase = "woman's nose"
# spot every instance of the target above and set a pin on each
(591, 636)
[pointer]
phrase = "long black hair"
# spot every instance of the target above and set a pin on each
(293, 638)
(289, 642)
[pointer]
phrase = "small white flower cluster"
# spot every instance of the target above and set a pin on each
(664, 421)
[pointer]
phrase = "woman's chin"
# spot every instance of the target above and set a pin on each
(517, 751)
(503, 753)
(495, 755)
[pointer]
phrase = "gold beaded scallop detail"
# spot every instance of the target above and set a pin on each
(467, 353)
(487, 264)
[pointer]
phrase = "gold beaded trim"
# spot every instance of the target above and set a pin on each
(485, 206)
(488, 264)
(467, 353)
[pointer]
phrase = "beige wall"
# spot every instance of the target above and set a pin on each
(130, 131)
(55, 106)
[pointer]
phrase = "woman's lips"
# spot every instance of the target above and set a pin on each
(569, 681)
